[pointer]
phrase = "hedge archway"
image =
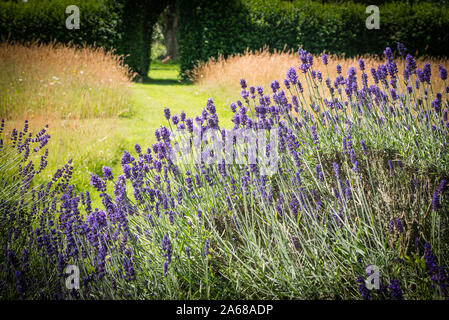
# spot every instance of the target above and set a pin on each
(139, 18)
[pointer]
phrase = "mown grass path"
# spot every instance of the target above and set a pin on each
(165, 90)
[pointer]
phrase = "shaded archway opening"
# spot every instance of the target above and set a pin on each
(164, 67)
(165, 34)
(139, 20)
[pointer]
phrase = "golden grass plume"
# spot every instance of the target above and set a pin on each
(262, 67)
(61, 81)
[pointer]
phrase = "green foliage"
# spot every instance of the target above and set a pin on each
(45, 20)
(208, 28)
(123, 25)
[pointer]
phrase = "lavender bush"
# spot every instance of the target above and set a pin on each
(361, 180)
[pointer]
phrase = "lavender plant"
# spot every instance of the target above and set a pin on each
(361, 179)
(46, 227)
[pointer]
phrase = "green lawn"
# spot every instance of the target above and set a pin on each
(164, 89)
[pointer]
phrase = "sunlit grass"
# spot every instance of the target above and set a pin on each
(260, 68)
(81, 93)
(58, 81)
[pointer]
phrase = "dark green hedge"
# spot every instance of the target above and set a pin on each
(123, 25)
(210, 27)
(139, 16)
(45, 20)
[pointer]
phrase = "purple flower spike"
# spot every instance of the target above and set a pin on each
(363, 289)
(138, 149)
(292, 76)
(189, 124)
(167, 248)
(324, 58)
(399, 225)
(167, 113)
(442, 72)
(338, 69)
(395, 289)
(206, 248)
(275, 86)
(426, 73)
(436, 201)
(390, 165)
(243, 83)
(389, 54)
(315, 137)
(336, 170)
(362, 143)
(97, 183)
(362, 64)
(107, 173)
(401, 49)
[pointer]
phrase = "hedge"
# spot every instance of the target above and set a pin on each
(208, 28)
(123, 25)
(45, 20)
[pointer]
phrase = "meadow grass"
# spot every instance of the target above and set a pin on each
(222, 75)
(81, 93)
(56, 81)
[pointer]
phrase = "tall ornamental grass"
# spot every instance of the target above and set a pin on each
(221, 75)
(61, 81)
(361, 181)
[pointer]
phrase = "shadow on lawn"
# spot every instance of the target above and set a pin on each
(166, 81)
